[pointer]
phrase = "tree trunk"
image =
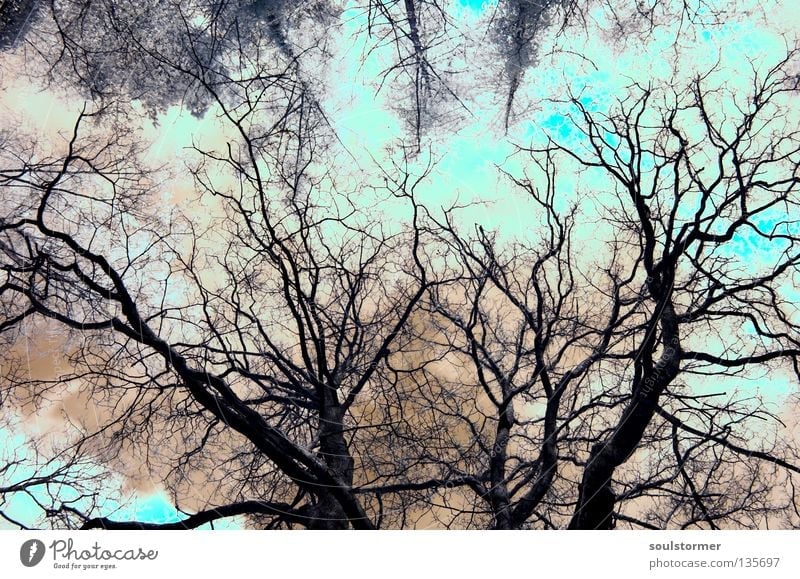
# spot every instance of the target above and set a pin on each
(596, 498)
(328, 512)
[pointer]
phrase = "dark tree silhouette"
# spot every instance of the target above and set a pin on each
(306, 342)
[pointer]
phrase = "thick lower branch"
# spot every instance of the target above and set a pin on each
(279, 510)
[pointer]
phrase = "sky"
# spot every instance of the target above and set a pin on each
(467, 148)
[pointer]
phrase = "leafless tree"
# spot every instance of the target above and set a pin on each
(591, 372)
(280, 327)
(306, 344)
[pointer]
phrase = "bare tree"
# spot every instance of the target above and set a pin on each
(694, 181)
(607, 358)
(306, 343)
(281, 327)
